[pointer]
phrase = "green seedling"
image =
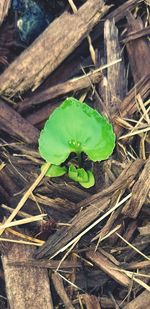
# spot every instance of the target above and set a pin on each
(75, 127)
(85, 178)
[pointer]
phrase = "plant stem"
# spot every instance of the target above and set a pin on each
(79, 158)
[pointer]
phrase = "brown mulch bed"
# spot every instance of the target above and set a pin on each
(77, 248)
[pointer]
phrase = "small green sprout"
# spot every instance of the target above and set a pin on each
(75, 127)
(85, 178)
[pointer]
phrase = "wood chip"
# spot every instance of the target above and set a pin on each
(15, 124)
(26, 287)
(91, 301)
(4, 7)
(138, 50)
(140, 302)
(108, 267)
(58, 283)
(139, 193)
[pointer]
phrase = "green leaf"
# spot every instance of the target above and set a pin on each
(76, 127)
(55, 170)
(77, 174)
(85, 178)
(91, 181)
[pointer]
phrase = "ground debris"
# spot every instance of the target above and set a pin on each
(64, 246)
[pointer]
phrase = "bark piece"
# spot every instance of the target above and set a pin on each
(61, 89)
(96, 205)
(4, 7)
(131, 228)
(53, 264)
(25, 287)
(37, 117)
(51, 48)
(140, 302)
(144, 230)
(108, 267)
(137, 34)
(8, 182)
(137, 265)
(112, 88)
(58, 283)
(13, 123)
(116, 85)
(139, 193)
(138, 50)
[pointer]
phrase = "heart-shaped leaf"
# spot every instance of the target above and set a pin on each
(76, 127)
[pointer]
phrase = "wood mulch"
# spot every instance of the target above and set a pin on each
(78, 248)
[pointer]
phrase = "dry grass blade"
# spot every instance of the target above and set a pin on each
(143, 109)
(137, 132)
(2, 165)
(140, 126)
(24, 236)
(20, 242)
(26, 195)
(132, 276)
(133, 247)
(107, 235)
(91, 48)
(71, 283)
(23, 221)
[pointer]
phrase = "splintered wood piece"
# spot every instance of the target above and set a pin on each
(131, 228)
(108, 226)
(137, 34)
(26, 287)
(128, 105)
(60, 289)
(51, 48)
(61, 89)
(112, 88)
(15, 124)
(138, 50)
(91, 301)
(137, 265)
(142, 301)
(139, 193)
(108, 267)
(96, 205)
(116, 85)
(53, 264)
(4, 7)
